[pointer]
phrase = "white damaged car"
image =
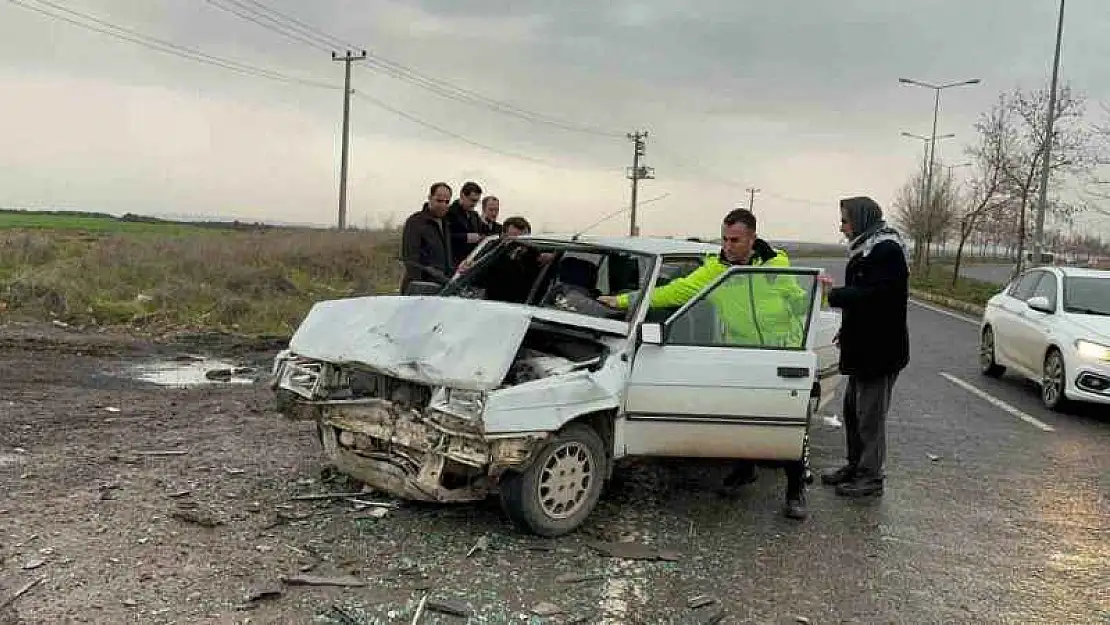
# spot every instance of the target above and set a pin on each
(513, 380)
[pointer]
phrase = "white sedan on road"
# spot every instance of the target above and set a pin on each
(1052, 326)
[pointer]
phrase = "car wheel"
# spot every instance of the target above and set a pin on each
(556, 493)
(1054, 380)
(987, 364)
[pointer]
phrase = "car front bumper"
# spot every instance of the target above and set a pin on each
(412, 456)
(1090, 382)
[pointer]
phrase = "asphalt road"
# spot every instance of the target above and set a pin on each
(999, 274)
(993, 272)
(987, 518)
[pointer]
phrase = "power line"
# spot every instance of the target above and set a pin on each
(379, 63)
(450, 133)
(167, 47)
(303, 27)
(274, 25)
(159, 45)
(721, 180)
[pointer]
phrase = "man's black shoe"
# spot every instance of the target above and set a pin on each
(861, 487)
(795, 509)
(840, 476)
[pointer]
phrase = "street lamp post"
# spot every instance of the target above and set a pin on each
(1042, 201)
(936, 111)
(925, 167)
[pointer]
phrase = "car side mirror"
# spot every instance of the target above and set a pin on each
(651, 333)
(419, 287)
(1040, 304)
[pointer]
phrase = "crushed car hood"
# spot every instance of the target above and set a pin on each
(439, 341)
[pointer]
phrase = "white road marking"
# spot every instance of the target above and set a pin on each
(943, 311)
(998, 403)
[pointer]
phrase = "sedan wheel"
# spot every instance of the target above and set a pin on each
(558, 491)
(1053, 380)
(987, 363)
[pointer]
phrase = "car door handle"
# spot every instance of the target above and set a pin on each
(793, 372)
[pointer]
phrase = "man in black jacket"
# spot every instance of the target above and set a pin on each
(491, 207)
(874, 341)
(426, 240)
(464, 222)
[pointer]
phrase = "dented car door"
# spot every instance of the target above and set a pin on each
(731, 374)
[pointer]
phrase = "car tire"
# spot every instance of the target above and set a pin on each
(1054, 381)
(987, 363)
(561, 487)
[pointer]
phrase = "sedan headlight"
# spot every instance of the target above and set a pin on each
(458, 402)
(1092, 351)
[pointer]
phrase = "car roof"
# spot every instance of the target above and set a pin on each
(1083, 272)
(643, 245)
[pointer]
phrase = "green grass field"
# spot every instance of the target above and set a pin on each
(163, 277)
(938, 280)
(91, 224)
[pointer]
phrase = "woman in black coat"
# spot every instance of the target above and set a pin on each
(874, 341)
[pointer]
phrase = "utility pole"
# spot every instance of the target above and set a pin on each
(1042, 203)
(751, 197)
(636, 173)
(347, 58)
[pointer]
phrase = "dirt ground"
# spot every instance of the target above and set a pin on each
(139, 503)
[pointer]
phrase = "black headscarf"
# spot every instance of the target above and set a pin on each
(864, 215)
(868, 227)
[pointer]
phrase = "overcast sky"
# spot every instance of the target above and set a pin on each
(800, 99)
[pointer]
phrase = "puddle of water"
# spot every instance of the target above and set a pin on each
(193, 373)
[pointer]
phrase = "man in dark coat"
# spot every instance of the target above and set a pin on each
(874, 341)
(464, 222)
(426, 240)
(491, 207)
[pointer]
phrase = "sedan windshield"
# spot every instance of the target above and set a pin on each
(1087, 295)
(551, 274)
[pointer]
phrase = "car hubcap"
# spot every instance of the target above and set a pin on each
(1052, 384)
(565, 479)
(986, 350)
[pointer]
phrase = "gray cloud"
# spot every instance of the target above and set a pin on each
(737, 90)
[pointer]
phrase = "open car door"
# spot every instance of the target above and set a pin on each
(730, 374)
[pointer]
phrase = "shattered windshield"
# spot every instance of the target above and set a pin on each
(1087, 295)
(562, 276)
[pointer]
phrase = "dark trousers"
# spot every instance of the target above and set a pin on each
(866, 403)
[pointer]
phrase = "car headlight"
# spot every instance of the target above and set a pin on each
(1092, 351)
(458, 402)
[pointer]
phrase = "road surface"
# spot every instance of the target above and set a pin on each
(996, 511)
(991, 272)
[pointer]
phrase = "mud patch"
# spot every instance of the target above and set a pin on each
(189, 372)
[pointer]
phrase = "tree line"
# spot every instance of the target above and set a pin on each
(989, 212)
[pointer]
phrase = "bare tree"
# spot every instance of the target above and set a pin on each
(1098, 187)
(1072, 146)
(985, 189)
(925, 220)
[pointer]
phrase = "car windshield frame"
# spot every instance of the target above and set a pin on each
(485, 255)
(1070, 306)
